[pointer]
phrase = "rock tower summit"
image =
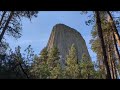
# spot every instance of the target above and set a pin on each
(63, 37)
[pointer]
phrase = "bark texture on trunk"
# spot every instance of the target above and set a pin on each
(100, 34)
(117, 36)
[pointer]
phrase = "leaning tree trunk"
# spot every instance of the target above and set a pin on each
(6, 25)
(116, 49)
(116, 53)
(114, 69)
(117, 36)
(100, 34)
(109, 54)
(4, 12)
(23, 71)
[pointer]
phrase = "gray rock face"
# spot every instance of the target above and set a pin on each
(63, 37)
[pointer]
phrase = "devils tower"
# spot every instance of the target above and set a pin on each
(63, 37)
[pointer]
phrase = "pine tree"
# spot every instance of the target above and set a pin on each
(72, 67)
(57, 72)
(100, 34)
(10, 22)
(110, 46)
(44, 55)
(47, 66)
(87, 70)
(40, 68)
(53, 57)
(54, 63)
(109, 24)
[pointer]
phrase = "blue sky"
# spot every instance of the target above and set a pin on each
(37, 31)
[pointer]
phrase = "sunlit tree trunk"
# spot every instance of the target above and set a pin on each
(114, 69)
(109, 54)
(116, 54)
(116, 49)
(117, 36)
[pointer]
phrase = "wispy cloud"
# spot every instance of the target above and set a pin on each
(27, 42)
(24, 42)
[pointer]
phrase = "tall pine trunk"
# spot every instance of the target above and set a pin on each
(116, 49)
(110, 60)
(114, 69)
(117, 36)
(116, 54)
(100, 34)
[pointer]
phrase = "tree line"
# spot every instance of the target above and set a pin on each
(48, 66)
